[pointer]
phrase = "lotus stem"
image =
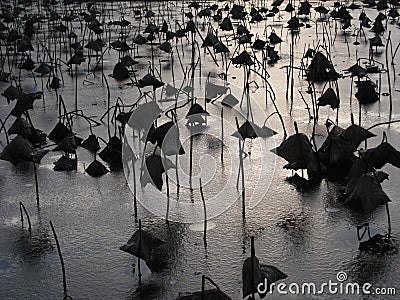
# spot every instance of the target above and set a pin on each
(253, 255)
(241, 169)
(140, 249)
(388, 77)
(36, 184)
(22, 207)
(61, 261)
(222, 135)
(205, 215)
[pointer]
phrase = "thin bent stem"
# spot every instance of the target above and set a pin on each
(205, 215)
(61, 261)
(22, 207)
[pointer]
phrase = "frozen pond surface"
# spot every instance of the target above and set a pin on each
(95, 216)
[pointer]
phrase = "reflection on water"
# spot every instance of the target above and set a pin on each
(33, 246)
(146, 291)
(366, 267)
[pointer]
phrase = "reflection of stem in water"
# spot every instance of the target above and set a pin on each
(366, 230)
(21, 206)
